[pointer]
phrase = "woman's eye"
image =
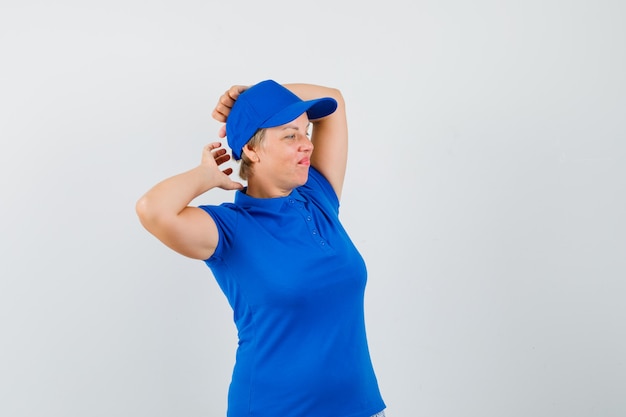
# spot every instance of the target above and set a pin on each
(290, 136)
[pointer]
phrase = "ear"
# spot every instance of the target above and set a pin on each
(250, 153)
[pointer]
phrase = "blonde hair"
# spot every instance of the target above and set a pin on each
(245, 169)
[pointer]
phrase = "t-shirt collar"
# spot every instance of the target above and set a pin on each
(269, 204)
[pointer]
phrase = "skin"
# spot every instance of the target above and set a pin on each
(280, 164)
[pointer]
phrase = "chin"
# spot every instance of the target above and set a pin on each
(304, 177)
(300, 181)
(298, 177)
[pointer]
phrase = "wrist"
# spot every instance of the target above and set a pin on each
(204, 177)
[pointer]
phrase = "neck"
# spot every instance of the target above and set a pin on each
(258, 189)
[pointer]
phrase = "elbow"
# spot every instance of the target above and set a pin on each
(141, 208)
(153, 216)
(337, 95)
(145, 212)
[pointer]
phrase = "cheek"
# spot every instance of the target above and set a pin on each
(284, 156)
(279, 155)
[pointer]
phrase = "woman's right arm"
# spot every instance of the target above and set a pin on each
(165, 212)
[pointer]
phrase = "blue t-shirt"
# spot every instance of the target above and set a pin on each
(296, 284)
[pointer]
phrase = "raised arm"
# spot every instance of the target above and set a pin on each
(329, 135)
(165, 212)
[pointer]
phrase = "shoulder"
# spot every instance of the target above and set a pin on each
(225, 215)
(226, 218)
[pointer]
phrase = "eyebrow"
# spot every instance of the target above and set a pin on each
(296, 127)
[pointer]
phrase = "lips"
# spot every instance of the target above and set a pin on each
(305, 162)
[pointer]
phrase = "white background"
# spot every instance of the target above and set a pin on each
(486, 191)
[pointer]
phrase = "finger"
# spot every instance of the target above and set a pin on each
(208, 149)
(233, 185)
(213, 145)
(227, 101)
(221, 112)
(222, 132)
(222, 108)
(220, 116)
(218, 153)
(234, 91)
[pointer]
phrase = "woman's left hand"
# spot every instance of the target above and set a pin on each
(226, 102)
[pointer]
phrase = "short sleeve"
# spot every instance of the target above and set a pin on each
(225, 217)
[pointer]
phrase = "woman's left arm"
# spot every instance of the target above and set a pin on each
(329, 135)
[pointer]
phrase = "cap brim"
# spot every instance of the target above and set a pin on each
(315, 109)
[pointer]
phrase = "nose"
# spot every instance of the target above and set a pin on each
(306, 145)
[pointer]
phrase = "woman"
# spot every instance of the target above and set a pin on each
(289, 270)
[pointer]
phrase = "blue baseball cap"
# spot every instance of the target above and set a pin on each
(269, 104)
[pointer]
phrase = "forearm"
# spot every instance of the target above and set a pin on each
(329, 134)
(312, 91)
(172, 195)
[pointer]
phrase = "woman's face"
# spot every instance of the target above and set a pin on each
(283, 159)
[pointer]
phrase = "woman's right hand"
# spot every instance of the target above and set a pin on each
(214, 155)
